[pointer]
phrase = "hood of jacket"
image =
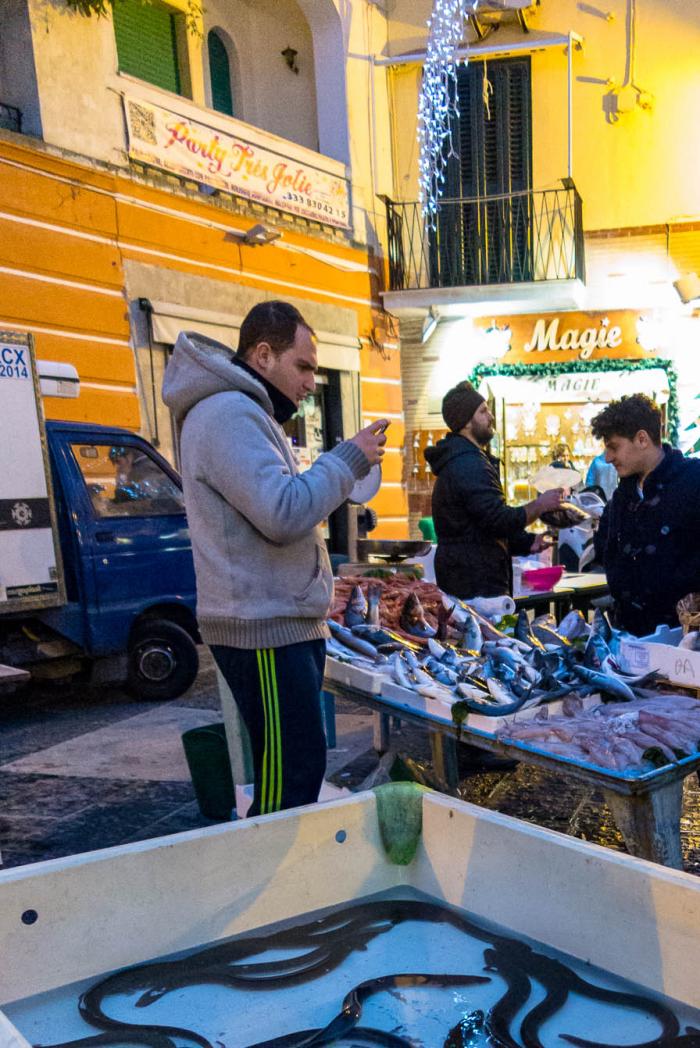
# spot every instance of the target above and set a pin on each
(199, 368)
(448, 448)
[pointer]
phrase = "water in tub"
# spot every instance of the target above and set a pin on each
(393, 970)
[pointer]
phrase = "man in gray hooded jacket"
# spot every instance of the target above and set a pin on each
(264, 582)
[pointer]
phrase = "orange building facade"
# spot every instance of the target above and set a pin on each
(103, 257)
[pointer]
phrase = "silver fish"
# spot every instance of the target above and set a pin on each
(436, 649)
(374, 593)
(605, 683)
(399, 671)
(523, 632)
(600, 626)
(350, 640)
(412, 619)
(356, 608)
(547, 634)
(501, 693)
(440, 672)
(573, 626)
(596, 651)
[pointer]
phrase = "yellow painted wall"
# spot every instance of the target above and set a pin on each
(634, 170)
(65, 229)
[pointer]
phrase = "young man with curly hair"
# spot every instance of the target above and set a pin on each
(649, 536)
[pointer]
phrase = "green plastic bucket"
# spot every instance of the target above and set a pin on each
(427, 529)
(207, 756)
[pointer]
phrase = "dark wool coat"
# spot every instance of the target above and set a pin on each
(650, 546)
(477, 533)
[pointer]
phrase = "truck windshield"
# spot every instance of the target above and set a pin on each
(124, 481)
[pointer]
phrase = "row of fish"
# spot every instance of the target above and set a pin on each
(650, 731)
(468, 659)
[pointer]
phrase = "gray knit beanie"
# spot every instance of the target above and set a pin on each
(459, 405)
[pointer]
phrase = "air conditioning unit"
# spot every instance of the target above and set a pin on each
(484, 7)
(57, 379)
(488, 14)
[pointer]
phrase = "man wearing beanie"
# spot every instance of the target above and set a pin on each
(477, 532)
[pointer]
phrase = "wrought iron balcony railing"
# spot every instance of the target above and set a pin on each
(508, 238)
(10, 118)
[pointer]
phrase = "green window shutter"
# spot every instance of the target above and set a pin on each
(147, 43)
(219, 74)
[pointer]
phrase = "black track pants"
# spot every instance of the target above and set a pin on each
(278, 694)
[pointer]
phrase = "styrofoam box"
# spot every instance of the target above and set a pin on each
(244, 796)
(354, 677)
(442, 708)
(660, 652)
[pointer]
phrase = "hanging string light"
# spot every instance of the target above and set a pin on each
(437, 106)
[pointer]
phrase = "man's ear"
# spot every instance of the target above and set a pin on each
(643, 438)
(262, 356)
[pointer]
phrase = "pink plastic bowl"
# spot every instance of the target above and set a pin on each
(543, 578)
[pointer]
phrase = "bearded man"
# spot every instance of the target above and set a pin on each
(478, 533)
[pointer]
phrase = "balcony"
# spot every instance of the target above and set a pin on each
(501, 253)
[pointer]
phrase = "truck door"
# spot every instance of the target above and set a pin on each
(139, 543)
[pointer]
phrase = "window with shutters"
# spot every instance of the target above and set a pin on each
(484, 237)
(219, 74)
(148, 47)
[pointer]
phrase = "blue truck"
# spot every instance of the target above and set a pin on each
(95, 556)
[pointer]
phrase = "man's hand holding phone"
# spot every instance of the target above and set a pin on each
(371, 440)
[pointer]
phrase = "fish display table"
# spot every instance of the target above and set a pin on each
(584, 587)
(646, 806)
(544, 600)
(575, 590)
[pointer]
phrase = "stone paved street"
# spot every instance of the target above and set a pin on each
(84, 767)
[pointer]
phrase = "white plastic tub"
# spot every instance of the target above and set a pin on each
(123, 906)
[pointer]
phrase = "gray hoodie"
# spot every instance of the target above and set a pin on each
(263, 574)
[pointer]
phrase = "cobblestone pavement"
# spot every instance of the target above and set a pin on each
(84, 767)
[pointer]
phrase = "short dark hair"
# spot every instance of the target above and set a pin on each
(273, 322)
(626, 416)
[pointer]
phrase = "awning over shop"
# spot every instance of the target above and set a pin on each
(577, 387)
(339, 352)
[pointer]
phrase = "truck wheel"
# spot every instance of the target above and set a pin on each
(163, 660)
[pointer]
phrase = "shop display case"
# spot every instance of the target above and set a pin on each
(536, 435)
(417, 473)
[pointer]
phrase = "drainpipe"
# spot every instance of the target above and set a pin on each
(147, 308)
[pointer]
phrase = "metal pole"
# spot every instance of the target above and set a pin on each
(569, 70)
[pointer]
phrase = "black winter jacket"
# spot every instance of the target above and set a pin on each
(477, 533)
(651, 546)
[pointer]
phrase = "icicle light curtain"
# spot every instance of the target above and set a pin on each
(437, 105)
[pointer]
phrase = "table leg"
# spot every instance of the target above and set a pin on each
(444, 750)
(328, 711)
(651, 823)
(381, 732)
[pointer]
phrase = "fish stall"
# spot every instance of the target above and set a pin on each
(560, 695)
(398, 918)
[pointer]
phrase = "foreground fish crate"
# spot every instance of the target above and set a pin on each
(76, 918)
